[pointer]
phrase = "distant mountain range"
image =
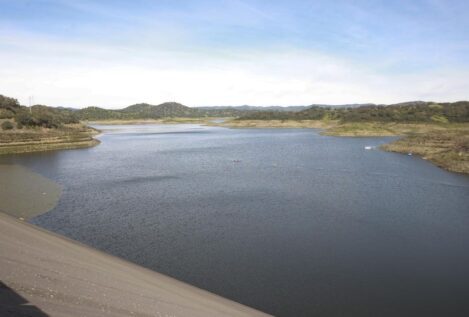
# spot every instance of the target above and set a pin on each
(147, 111)
(255, 108)
(174, 109)
(413, 111)
(406, 112)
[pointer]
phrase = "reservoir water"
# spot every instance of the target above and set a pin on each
(284, 220)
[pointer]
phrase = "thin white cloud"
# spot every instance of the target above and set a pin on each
(70, 73)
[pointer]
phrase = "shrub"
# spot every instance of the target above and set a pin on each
(6, 114)
(7, 125)
(25, 119)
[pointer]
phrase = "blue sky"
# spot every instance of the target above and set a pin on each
(231, 52)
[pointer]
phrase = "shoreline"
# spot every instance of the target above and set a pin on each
(288, 124)
(44, 146)
(62, 277)
(74, 136)
(445, 145)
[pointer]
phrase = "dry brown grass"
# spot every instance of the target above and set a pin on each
(448, 149)
(41, 139)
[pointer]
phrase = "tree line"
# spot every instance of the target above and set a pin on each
(13, 114)
(404, 113)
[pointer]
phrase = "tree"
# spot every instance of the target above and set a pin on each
(8, 103)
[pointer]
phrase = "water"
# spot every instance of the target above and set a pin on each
(283, 220)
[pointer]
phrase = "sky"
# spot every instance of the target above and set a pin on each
(79, 53)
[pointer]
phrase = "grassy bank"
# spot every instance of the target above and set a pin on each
(40, 139)
(448, 148)
(444, 144)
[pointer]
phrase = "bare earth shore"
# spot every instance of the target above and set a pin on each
(72, 136)
(61, 277)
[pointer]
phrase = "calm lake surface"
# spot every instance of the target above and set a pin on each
(283, 220)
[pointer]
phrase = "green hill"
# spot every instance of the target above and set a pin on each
(164, 110)
(148, 111)
(36, 116)
(409, 112)
(96, 113)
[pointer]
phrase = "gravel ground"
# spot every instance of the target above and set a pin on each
(44, 274)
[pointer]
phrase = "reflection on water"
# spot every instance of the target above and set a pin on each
(284, 220)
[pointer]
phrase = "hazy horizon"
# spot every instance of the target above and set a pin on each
(245, 105)
(203, 53)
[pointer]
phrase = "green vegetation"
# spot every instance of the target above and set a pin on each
(366, 129)
(7, 125)
(313, 124)
(439, 132)
(35, 116)
(144, 111)
(446, 147)
(410, 112)
(170, 120)
(40, 128)
(96, 113)
(444, 144)
(436, 131)
(43, 116)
